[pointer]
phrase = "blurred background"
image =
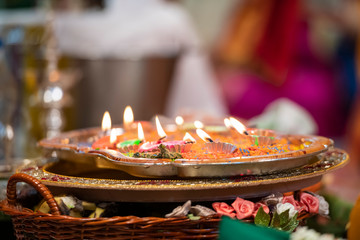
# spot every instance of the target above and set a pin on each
(288, 65)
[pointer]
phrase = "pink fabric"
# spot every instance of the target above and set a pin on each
(309, 82)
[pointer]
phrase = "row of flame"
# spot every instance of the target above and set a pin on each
(129, 120)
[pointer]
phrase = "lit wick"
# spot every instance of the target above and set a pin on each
(188, 138)
(140, 139)
(106, 123)
(141, 135)
(109, 136)
(128, 118)
(160, 130)
(203, 135)
(238, 126)
(154, 146)
(227, 123)
(113, 138)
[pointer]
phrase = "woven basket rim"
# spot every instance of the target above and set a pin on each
(20, 210)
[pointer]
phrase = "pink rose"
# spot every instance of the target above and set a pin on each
(303, 207)
(290, 199)
(223, 209)
(243, 208)
(310, 201)
(257, 206)
(299, 206)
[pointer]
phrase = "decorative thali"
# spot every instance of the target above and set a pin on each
(76, 147)
(98, 184)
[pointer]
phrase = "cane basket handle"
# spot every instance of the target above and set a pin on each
(35, 183)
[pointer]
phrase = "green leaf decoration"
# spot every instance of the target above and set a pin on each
(262, 218)
(275, 221)
(283, 222)
(292, 224)
(284, 217)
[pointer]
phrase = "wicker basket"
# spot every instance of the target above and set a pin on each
(31, 225)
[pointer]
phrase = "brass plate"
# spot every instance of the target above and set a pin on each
(96, 184)
(74, 146)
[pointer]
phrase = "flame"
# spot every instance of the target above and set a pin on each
(159, 129)
(203, 135)
(141, 135)
(227, 123)
(198, 124)
(106, 122)
(188, 138)
(113, 136)
(128, 116)
(114, 133)
(179, 120)
(238, 125)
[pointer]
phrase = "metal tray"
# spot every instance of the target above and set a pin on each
(94, 184)
(74, 146)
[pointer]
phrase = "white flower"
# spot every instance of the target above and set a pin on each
(327, 237)
(303, 233)
(323, 205)
(282, 207)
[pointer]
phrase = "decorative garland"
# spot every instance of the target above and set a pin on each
(278, 211)
(282, 212)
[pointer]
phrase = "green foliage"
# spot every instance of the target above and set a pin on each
(275, 221)
(281, 221)
(262, 218)
(290, 225)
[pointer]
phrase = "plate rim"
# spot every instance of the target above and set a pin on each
(191, 186)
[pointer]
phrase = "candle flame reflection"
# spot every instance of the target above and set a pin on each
(198, 124)
(203, 135)
(188, 138)
(238, 125)
(141, 135)
(128, 116)
(106, 122)
(159, 129)
(179, 120)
